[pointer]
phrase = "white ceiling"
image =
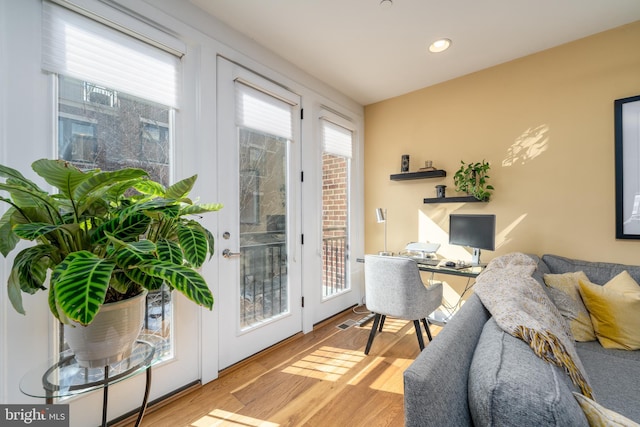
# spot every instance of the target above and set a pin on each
(371, 52)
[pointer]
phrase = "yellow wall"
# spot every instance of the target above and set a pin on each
(544, 122)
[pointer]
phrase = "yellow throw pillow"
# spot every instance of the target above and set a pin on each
(615, 311)
(599, 416)
(566, 296)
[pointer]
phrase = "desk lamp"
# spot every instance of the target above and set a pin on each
(381, 216)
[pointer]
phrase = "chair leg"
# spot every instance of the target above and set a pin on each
(382, 319)
(425, 321)
(372, 334)
(416, 323)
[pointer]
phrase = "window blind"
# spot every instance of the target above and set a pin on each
(336, 139)
(76, 46)
(260, 111)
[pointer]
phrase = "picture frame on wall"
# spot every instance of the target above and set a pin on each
(627, 167)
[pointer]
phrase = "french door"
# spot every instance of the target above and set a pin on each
(259, 157)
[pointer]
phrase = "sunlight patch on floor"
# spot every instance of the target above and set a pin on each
(384, 381)
(326, 363)
(219, 417)
(387, 381)
(393, 325)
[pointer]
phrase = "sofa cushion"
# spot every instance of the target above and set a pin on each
(597, 272)
(614, 309)
(613, 375)
(565, 294)
(508, 382)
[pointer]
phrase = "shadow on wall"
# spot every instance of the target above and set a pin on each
(531, 144)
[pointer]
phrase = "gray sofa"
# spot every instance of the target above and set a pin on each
(473, 373)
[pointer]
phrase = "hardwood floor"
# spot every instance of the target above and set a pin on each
(319, 379)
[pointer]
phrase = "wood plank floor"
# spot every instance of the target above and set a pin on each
(319, 379)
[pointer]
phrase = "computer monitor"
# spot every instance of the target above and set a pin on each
(475, 231)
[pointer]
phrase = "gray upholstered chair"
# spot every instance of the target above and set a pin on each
(393, 287)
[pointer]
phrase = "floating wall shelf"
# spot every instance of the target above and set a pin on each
(437, 173)
(463, 199)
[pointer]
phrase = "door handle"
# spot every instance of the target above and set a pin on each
(228, 254)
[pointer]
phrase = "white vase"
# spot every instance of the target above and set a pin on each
(111, 335)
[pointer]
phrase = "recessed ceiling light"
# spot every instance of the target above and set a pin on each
(386, 4)
(439, 45)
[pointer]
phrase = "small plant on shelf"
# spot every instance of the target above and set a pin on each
(472, 179)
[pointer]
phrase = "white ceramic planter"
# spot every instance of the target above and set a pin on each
(111, 335)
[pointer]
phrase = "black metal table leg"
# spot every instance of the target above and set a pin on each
(145, 398)
(105, 396)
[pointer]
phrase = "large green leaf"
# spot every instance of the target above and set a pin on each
(103, 179)
(156, 208)
(129, 256)
(200, 208)
(169, 251)
(132, 227)
(10, 173)
(26, 197)
(34, 230)
(8, 239)
(81, 283)
(15, 293)
(210, 238)
(181, 188)
(194, 244)
(53, 307)
(182, 278)
(30, 268)
(150, 188)
(143, 279)
(120, 282)
(62, 175)
(127, 229)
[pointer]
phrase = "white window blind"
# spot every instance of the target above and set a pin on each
(76, 46)
(336, 139)
(260, 111)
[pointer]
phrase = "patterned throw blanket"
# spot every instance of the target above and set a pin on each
(521, 308)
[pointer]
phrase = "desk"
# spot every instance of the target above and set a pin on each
(472, 272)
(63, 377)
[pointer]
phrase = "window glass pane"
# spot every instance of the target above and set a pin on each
(335, 225)
(99, 127)
(102, 128)
(336, 159)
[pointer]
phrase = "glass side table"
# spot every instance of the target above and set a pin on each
(63, 377)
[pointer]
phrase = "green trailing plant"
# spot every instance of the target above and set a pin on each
(472, 179)
(104, 236)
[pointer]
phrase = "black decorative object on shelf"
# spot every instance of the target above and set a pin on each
(438, 173)
(404, 166)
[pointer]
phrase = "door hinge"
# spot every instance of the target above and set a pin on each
(302, 239)
(303, 302)
(302, 114)
(301, 176)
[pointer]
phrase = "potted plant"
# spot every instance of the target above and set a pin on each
(472, 179)
(105, 237)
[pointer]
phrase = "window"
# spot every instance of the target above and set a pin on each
(117, 97)
(336, 163)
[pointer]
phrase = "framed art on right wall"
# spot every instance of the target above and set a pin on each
(627, 162)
